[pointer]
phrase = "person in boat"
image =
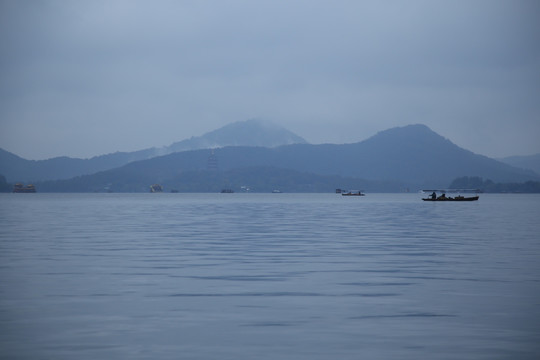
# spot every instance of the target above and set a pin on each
(443, 196)
(434, 195)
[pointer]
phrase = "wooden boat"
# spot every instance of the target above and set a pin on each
(457, 198)
(443, 196)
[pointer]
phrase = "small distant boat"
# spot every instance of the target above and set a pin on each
(352, 193)
(20, 188)
(443, 197)
(227, 191)
(156, 188)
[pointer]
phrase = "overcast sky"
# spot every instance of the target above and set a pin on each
(84, 78)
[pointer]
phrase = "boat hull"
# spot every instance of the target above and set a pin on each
(471, 198)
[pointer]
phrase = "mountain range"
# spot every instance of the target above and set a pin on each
(393, 160)
(245, 133)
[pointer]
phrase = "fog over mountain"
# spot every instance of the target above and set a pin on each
(241, 133)
(83, 78)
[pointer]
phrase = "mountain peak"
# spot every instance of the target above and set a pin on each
(254, 132)
(417, 134)
(408, 130)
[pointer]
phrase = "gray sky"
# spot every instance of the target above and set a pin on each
(84, 78)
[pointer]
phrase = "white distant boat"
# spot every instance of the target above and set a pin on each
(352, 193)
(156, 188)
(20, 188)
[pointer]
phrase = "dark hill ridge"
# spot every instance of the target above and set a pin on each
(17, 169)
(412, 153)
(531, 162)
(241, 133)
(408, 155)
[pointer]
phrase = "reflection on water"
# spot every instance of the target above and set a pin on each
(288, 276)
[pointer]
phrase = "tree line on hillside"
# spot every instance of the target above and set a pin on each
(4, 185)
(488, 186)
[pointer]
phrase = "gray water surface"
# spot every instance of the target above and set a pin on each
(268, 276)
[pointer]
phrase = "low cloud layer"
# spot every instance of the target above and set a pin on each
(87, 78)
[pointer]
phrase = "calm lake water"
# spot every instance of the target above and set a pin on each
(268, 276)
